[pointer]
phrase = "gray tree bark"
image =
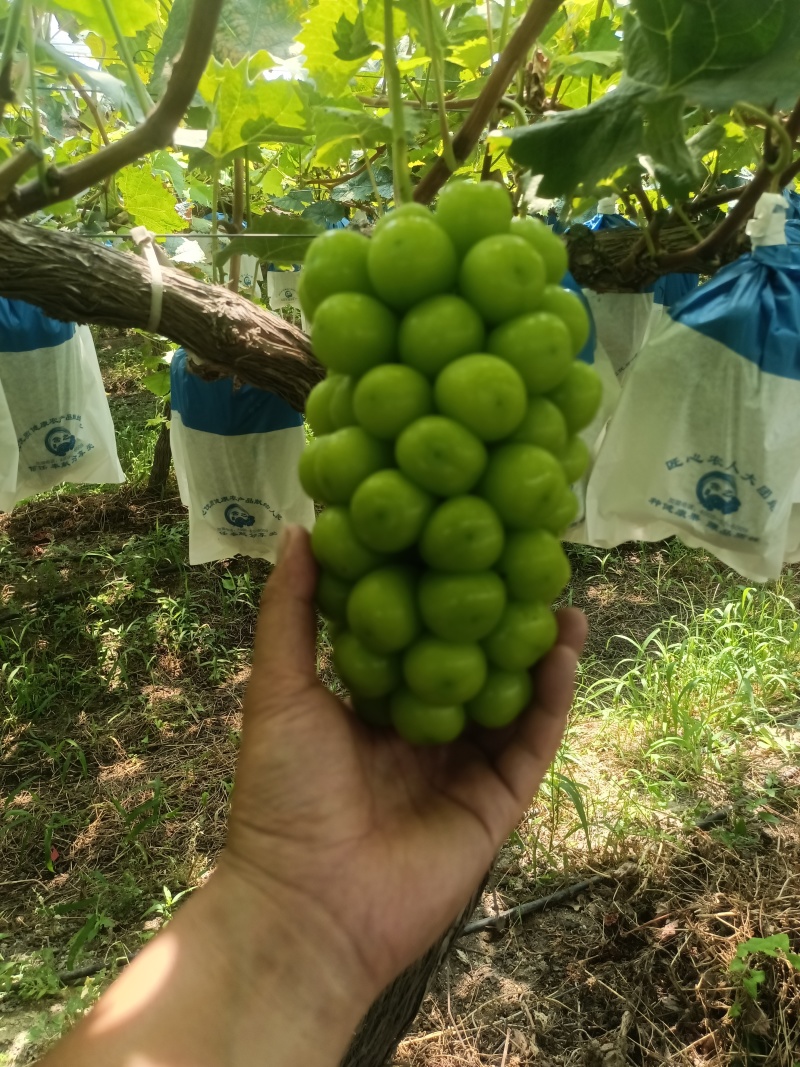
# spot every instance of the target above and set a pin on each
(162, 458)
(78, 280)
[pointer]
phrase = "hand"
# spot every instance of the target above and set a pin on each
(373, 844)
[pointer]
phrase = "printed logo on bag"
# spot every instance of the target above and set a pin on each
(724, 491)
(716, 491)
(287, 294)
(242, 517)
(54, 444)
(236, 515)
(59, 441)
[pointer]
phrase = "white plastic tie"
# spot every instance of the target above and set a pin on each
(768, 226)
(607, 206)
(143, 240)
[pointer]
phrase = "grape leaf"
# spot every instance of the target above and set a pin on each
(199, 194)
(338, 131)
(738, 150)
(582, 64)
(132, 15)
(585, 146)
(158, 382)
(249, 26)
(171, 44)
(147, 201)
(718, 52)
(288, 240)
(555, 24)
(166, 163)
(351, 39)
(674, 42)
(602, 36)
(769, 82)
(597, 51)
(416, 20)
(711, 52)
(676, 170)
(54, 113)
(48, 55)
(245, 27)
(246, 111)
(324, 212)
(272, 183)
(707, 139)
(358, 190)
(472, 54)
(582, 146)
(330, 73)
(295, 200)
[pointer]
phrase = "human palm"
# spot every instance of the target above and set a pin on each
(382, 840)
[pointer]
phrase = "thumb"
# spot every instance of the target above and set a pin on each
(286, 634)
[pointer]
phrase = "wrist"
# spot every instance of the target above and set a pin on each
(238, 979)
(296, 984)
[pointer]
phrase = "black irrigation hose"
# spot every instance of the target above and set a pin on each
(502, 919)
(79, 973)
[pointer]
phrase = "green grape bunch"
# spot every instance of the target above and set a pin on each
(445, 444)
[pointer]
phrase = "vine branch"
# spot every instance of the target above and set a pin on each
(644, 203)
(536, 18)
(737, 217)
(154, 133)
(91, 107)
(12, 169)
(10, 42)
(435, 53)
(38, 139)
(721, 196)
(402, 181)
(450, 103)
(235, 271)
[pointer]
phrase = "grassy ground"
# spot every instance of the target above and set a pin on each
(121, 679)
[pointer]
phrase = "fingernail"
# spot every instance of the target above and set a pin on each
(284, 541)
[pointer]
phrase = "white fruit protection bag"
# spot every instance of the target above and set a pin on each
(705, 442)
(282, 288)
(9, 463)
(55, 394)
(236, 452)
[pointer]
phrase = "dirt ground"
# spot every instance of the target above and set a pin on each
(633, 971)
